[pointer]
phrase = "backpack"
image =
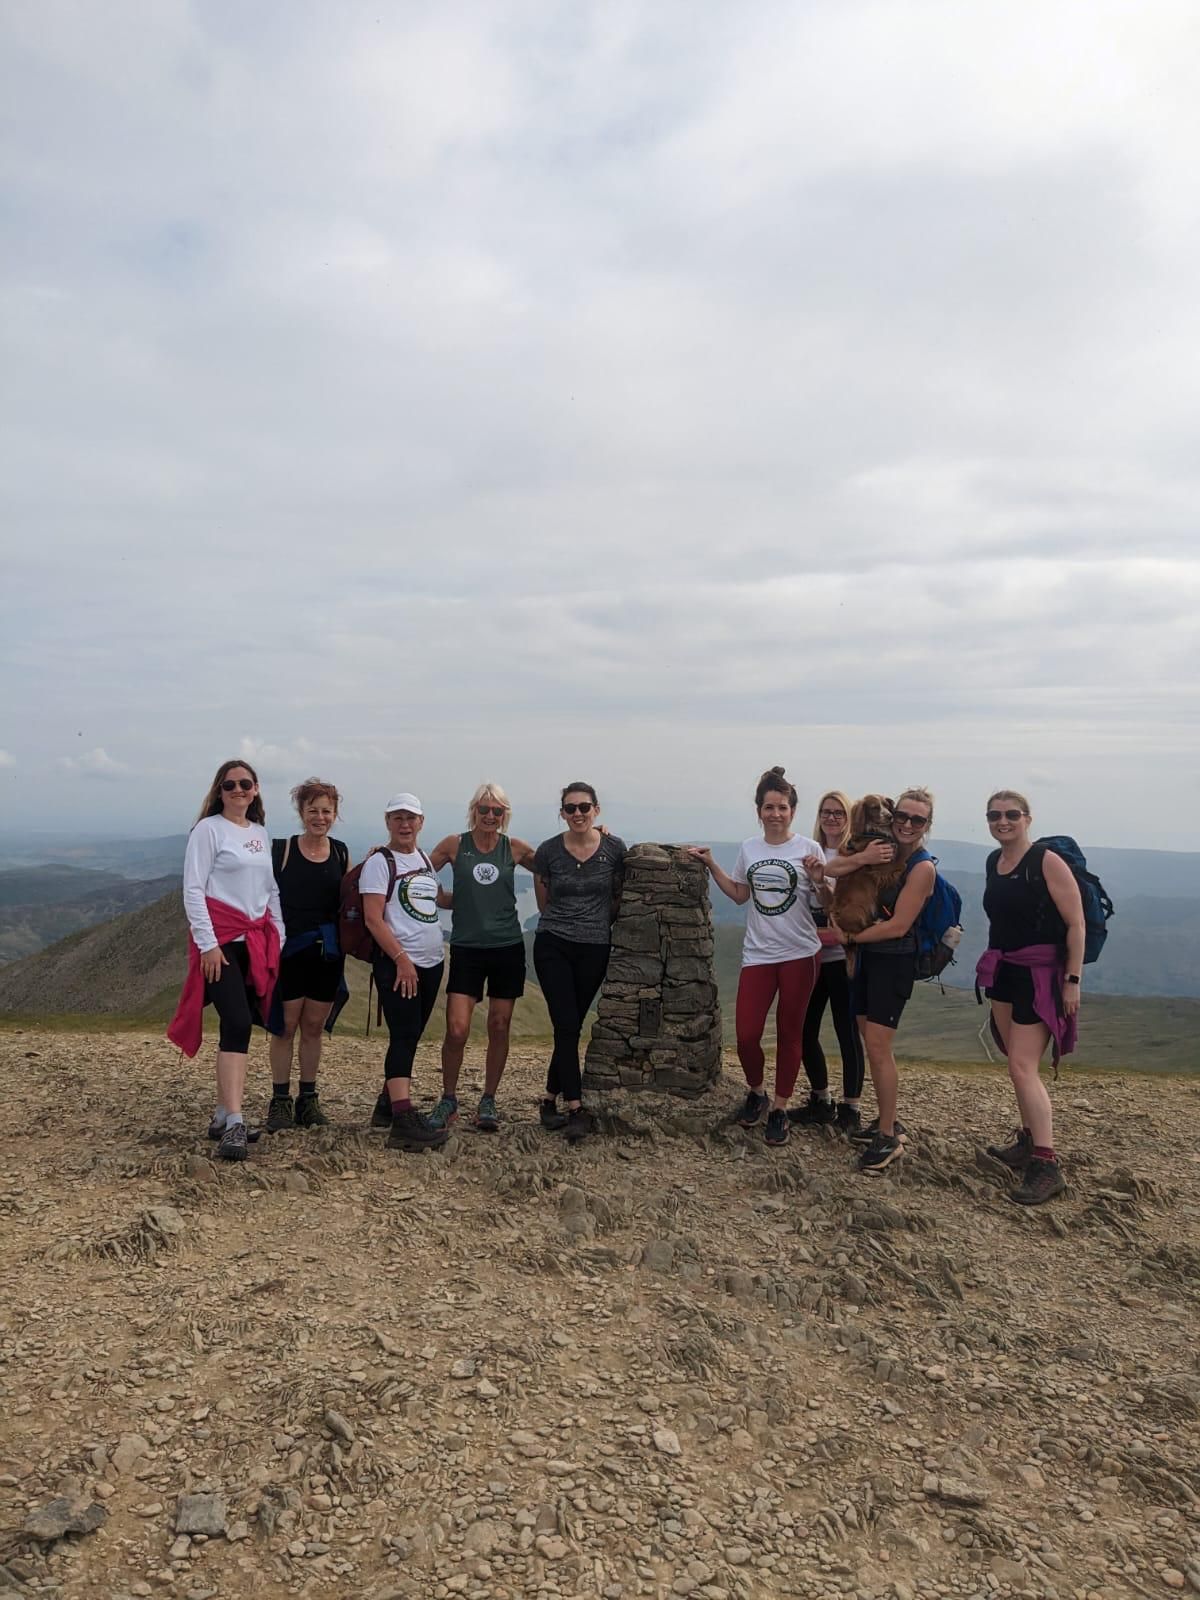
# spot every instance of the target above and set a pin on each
(939, 927)
(1097, 905)
(353, 933)
(281, 849)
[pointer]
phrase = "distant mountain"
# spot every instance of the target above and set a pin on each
(63, 900)
(127, 858)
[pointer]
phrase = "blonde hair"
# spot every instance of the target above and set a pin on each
(1010, 794)
(844, 801)
(489, 791)
(922, 796)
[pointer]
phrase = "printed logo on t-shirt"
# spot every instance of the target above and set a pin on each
(417, 898)
(255, 846)
(773, 886)
(485, 872)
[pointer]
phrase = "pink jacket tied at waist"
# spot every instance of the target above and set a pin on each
(1047, 963)
(186, 1028)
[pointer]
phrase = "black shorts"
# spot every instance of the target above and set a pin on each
(501, 967)
(883, 983)
(1014, 987)
(308, 976)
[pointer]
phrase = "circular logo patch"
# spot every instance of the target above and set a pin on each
(417, 898)
(773, 886)
(485, 872)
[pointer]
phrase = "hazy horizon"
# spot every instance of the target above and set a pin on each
(639, 394)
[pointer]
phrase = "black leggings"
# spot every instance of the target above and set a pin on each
(405, 1017)
(833, 988)
(234, 1002)
(569, 974)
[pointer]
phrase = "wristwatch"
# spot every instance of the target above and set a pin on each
(1071, 977)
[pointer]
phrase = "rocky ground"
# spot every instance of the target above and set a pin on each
(666, 1362)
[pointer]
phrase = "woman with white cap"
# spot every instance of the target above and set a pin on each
(400, 898)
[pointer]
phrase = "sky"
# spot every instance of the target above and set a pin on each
(648, 395)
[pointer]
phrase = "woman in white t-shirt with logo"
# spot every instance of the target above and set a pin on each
(773, 877)
(400, 899)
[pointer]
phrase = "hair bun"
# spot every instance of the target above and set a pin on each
(778, 771)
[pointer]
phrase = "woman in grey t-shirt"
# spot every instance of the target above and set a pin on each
(577, 877)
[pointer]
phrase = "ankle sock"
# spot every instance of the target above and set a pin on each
(825, 1096)
(281, 1091)
(233, 1117)
(307, 1090)
(1043, 1152)
(401, 1105)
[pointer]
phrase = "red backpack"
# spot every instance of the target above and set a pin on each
(354, 936)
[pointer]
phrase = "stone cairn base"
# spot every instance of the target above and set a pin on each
(658, 1024)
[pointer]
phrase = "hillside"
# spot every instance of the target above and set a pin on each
(57, 901)
(668, 1362)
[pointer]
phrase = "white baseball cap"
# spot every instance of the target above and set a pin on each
(404, 802)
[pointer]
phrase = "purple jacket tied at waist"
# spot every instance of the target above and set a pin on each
(1047, 963)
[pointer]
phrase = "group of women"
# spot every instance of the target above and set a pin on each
(264, 948)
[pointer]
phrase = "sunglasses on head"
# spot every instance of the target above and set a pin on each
(905, 819)
(490, 811)
(1006, 816)
(244, 784)
(570, 807)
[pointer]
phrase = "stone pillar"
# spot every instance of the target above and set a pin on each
(658, 1024)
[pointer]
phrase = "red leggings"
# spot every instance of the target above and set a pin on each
(757, 986)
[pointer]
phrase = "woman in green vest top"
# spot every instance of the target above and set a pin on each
(486, 946)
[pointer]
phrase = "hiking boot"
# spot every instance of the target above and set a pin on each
(578, 1125)
(550, 1117)
(1016, 1155)
(1042, 1181)
(309, 1113)
(444, 1113)
(847, 1119)
(233, 1142)
(412, 1131)
(381, 1115)
(869, 1133)
(487, 1118)
(779, 1129)
(881, 1152)
(753, 1109)
(217, 1126)
(281, 1113)
(814, 1113)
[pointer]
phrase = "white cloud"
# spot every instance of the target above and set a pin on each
(95, 763)
(277, 760)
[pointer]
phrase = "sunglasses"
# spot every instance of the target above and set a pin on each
(572, 806)
(833, 816)
(905, 819)
(244, 784)
(489, 811)
(1006, 816)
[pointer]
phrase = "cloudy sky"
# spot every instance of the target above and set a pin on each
(646, 393)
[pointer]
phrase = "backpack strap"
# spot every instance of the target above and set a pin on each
(342, 854)
(281, 849)
(990, 865)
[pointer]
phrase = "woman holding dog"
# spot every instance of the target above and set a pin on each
(1031, 971)
(886, 963)
(774, 876)
(832, 829)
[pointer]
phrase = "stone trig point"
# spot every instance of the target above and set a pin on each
(658, 1024)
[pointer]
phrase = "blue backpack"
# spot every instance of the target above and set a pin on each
(941, 912)
(1097, 907)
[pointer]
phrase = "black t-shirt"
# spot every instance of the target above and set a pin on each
(1018, 904)
(309, 891)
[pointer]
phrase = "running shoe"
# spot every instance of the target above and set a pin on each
(487, 1118)
(1016, 1155)
(233, 1142)
(550, 1117)
(867, 1134)
(848, 1119)
(779, 1129)
(381, 1115)
(444, 1113)
(814, 1113)
(281, 1113)
(1042, 1181)
(578, 1125)
(309, 1113)
(412, 1131)
(879, 1155)
(218, 1125)
(753, 1109)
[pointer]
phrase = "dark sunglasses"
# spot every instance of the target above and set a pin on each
(572, 806)
(907, 820)
(490, 811)
(244, 784)
(1008, 816)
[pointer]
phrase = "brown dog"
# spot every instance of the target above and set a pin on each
(856, 896)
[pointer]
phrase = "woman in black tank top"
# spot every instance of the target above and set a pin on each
(1031, 898)
(308, 869)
